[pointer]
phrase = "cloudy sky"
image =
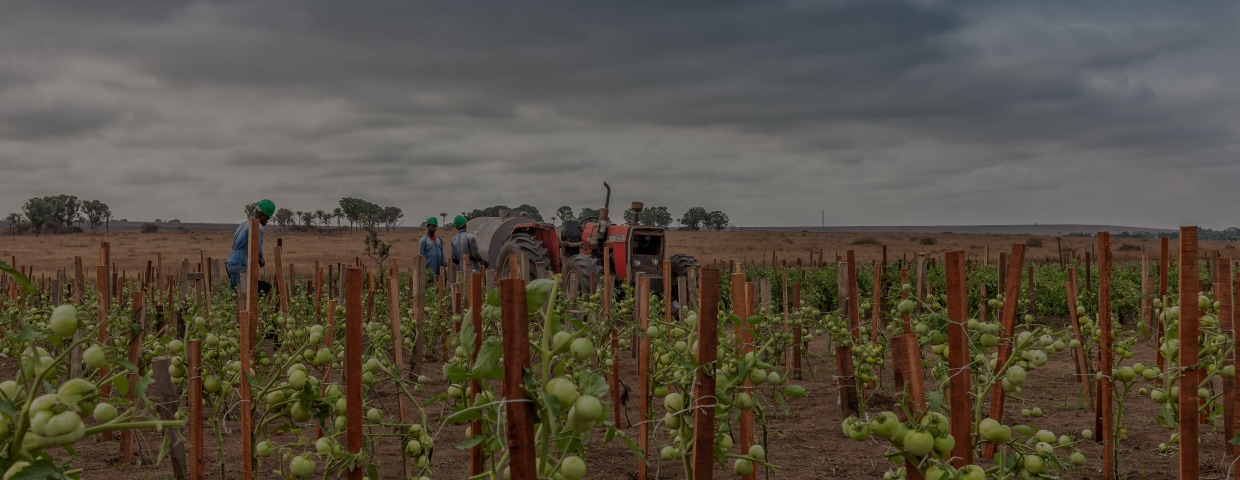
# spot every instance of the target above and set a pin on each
(880, 112)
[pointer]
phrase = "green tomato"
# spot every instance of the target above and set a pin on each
(742, 467)
(564, 391)
(94, 357)
(572, 467)
(263, 449)
(104, 413)
(884, 424)
(588, 408)
(674, 402)
(301, 467)
(74, 390)
(919, 443)
(64, 321)
(582, 349)
(1034, 464)
(856, 429)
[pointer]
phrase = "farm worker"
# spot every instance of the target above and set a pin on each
(464, 244)
(431, 247)
(237, 261)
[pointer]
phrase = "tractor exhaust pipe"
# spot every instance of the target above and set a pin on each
(637, 212)
(604, 220)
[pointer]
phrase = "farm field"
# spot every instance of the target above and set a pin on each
(131, 250)
(577, 347)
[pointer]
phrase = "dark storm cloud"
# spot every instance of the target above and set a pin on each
(886, 112)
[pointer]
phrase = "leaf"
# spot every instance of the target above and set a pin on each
(143, 383)
(1023, 430)
(487, 366)
(593, 385)
(29, 333)
(372, 470)
(467, 337)
(455, 373)
(795, 391)
(493, 298)
(40, 469)
(121, 384)
(467, 415)
(1166, 417)
(1235, 440)
(536, 293)
(125, 363)
(17, 276)
(470, 443)
(6, 407)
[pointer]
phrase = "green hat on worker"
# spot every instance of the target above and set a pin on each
(432, 221)
(459, 221)
(267, 207)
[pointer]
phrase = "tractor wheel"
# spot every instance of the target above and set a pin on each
(578, 272)
(535, 253)
(681, 264)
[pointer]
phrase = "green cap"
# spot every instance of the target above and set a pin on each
(432, 221)
(459, 221)
(267, 207)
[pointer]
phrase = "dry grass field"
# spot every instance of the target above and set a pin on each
(131, 250)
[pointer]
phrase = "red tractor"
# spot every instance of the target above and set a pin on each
(576, 249)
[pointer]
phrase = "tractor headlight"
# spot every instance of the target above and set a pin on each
(655, 262)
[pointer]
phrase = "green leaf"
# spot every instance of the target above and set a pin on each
(467, 415)
(121, 384)
(143, 383)
(593, 385)
(455, 373)
(40, 469)
(795, 391)
(467, 336)
(1235, 440)
(536, 293)
(17, 276)
(125, 363)
(372, 470)
(487, 366)
(493, 298)
(470, 443)
(1166, 417)
(7, 408)
(29, 333)
(1023, 430)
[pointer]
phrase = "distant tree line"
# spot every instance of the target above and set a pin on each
(696, 218)
(358, 213)
(59, 214)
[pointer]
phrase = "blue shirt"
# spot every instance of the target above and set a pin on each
(433, 251)
(237, 260)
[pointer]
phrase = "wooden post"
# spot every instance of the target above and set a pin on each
(1164, 268)
(419, 313)
(1033, 306)
(138, 312)
(476, 291)
(854, 303)
(743, 305)
(1224, 292)
(614, 383)
(704, 390)
(281, 282)
(1010, 300)
(1147, 304)
(398, 357)
(169, 400)
(105, 308)
(353, 366)
(1088, 270)
(797, 339)
(516, 346)
(1190, 465)
(921, 282)
(643, 372)
(1078, 354)
(1106, 388)
(197, 469)
(958, 358)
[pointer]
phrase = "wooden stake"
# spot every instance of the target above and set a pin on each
(1106, 390)
(1010, 301)
(516, 345)
(704, 393)
(1083, 371)
(1164, 268)
(1190, 465)
(476, 291)
(797, 339)
(135, 357)
(643, 372)
(958, 358)
(398, 358)
(197, 469)
(105, 308)
(353, 366)
(854, 303)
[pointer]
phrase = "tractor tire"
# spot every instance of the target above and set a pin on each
(578, 272)
(681, 264)
(537, 264)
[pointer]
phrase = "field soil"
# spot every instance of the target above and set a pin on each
(131, 251)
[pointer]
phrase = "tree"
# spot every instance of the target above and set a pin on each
(376, 249)
(391, 217)
(717, 220)
(307, 218)
(338, 213)
(66, 209)
(529, 211)
(40, 212)
(321, 217)
(284, 218)
(565, 213)
(444, 216)
(96, 213)
(695, 218)
(360, 211)
(657, 216)
(250, 208)
(587, 212)
(15, 222)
